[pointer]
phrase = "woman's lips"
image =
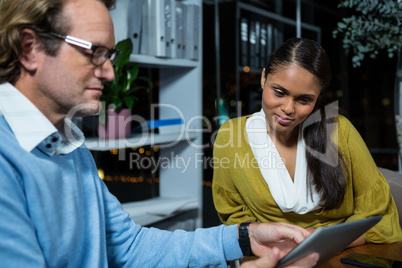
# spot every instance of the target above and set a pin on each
(283, 120)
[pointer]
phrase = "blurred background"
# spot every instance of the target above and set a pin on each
(231, 84)
(222, 81)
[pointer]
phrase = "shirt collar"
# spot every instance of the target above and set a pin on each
(32, 129)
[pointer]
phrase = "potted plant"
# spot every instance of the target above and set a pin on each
(375, 26)
(119, 95)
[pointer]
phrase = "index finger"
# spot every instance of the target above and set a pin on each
(297, 233)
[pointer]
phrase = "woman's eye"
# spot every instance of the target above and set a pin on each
(279, 93)
(304, 100)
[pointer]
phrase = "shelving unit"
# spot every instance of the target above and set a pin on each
(158, 209)
(137, 140)
(286, 28)
(242, 93)
(180, 94)
(160, 63)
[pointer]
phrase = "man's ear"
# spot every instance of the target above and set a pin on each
(263, 78)
(29, 47)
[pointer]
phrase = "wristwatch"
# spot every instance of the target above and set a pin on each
(244, 239)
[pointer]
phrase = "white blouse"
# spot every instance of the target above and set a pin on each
(288, 194)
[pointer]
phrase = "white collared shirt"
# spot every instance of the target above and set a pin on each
(32, 129)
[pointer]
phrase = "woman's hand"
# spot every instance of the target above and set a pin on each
(359, 241)
(310, 229)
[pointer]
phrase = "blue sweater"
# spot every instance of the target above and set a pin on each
(56, 212)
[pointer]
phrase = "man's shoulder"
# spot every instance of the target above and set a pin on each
(8, 139)
(11, 153)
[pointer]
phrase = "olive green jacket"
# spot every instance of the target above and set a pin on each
(241, 194)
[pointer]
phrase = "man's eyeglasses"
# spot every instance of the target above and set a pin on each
(99, 53)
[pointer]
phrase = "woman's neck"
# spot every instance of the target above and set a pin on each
(287, 139)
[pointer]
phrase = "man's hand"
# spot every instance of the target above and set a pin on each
(270, 260)
(283, 236)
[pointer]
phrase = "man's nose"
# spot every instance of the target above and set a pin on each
(105, 71)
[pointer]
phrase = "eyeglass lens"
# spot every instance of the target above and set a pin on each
(101, 54)
(114, 56)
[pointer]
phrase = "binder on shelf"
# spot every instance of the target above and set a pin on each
(263, 45)
(169, 22)
(179, 30)
(135, 23)
(156, 37)
(244, 41)
(278, 38)
(128, 16)
(120, 17)
(270, 37)
(191, 30)
(257, 45)
(252, 37)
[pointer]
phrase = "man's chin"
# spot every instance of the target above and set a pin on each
(85, 109)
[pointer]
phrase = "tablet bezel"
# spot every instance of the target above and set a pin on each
(329, 241)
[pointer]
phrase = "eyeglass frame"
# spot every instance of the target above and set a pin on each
(88, 45)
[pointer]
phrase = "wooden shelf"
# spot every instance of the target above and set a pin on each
(137, 140)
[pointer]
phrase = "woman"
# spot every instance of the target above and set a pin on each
(296, 160)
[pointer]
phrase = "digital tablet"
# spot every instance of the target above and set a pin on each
(329, 241)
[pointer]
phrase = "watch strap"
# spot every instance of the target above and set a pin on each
(244, 239)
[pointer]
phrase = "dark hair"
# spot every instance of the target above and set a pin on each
(326, 167)
(42, 16)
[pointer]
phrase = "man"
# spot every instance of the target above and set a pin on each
(54, 209)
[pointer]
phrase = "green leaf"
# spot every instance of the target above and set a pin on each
(134, 89)
(134, 73)
(126, 80)
(342, 25)
(125, 47)
(129, 101)
(120, 92)
(374, 26)
(146, 80)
